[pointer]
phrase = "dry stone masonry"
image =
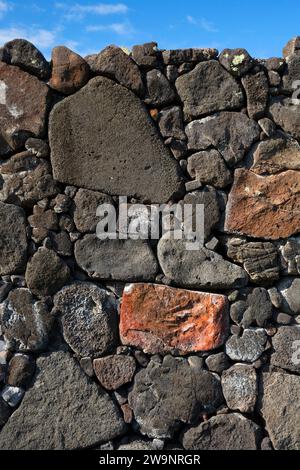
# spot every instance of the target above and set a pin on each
(142, 344)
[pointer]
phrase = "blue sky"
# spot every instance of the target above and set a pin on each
(262, 27)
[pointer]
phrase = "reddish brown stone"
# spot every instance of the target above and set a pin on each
(159, 319)
(23, 107)
(127, 413)
(264, 206)
(114, 371)
(69, 71)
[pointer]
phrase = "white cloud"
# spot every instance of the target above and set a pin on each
(118, 28)
(4, 8)
(79, 11)
(41, 38)
(203, 23)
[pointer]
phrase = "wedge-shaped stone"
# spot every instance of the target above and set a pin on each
(275, 155)
(102, 138)
(264, 207)
(158, 318)
(13, 239)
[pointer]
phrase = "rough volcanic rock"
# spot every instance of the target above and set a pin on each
(268, 126)
(292, 47)
(248, 347)
(196, 269)
(120, 260)
(236, 61)
(279, 404)
(20, 371)
(264, 207)
(25, 322)
(208, 167)
(231, 133)
(257, 93)
(159, 318)
(5, 412)
(26, 180)
(23, 106)
(286, 344)
(224, 432)
(239, 385)
(37, 147)
(217, 362)
(69, 71)
(146, 55)
(113, 62)
(114, 371)
(86, 150)
(183, 56)
(13, 239)
(63, 409)
(286, 115)
(136, 444)
(159, 89)
(288, 289)
(208, 88)
(290, 252)
(46, 272)
(277, 154)
(86, 203)
(170, 123)
(255, 307)
(160, 390)
(88, 315)
(259, 259)
(26, 56)
(291, 73)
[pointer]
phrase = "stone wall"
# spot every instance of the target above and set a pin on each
(128, 344)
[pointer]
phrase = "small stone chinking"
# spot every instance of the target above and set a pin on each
(123, 344)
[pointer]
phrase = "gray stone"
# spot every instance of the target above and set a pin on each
(279, 405)
(257, 92)
(274, 78)
(72, 412)
(120, 260)
(136, 444)
(13, 239)
(61, 243)
(286, 115)
(86, 203)
(20, 371)
(208, 88)
(248, 347)
(223, 432)
(286, 345)
(259, 259)
(25, 322)
(275, 155)
(12, 396)
(159, 89)
(37, 147)
(208, 167)
(289, 289)
(217, 362)
(146, 55)
(239, 385)
(88, 315)
(292, 47)
(191, 55)
(255, 307)
(5, 412)
(231, 133)
(236, 61)
(114, 63)
(114, 371)
(158, 410)
(290, 252)
(268, 126)
(46, 272)
(26, 56)
(199, 268)
(170, 123)
(291, 74)
(26, 180)
(93, 158)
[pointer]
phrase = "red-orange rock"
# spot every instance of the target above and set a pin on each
(69, 71)
(160, 319)
(264, 206)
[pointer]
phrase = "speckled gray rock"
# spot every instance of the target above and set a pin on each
(279, 405)
(159, 89)
(63, 409)
(275, 155)
(208, 88)
(114, 371)
(170, 121)
(248, 347)
(93, 157)
(46, 272)
(5, 412)
(88, 315)
(286, 345)
(200, 268)
(237, 61)
(217, 362)
(289, 289)
(286, 115)
(208, 167)
(291, 73)
(158, 410)
(26, 56)
(86, 203)
(254, 307)
(120, 260)
(231, 133)
(239, 385)
(13, 239)
(223, 432)
(25, 322)
(20, 371)
(290, 252)
(257, 92)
